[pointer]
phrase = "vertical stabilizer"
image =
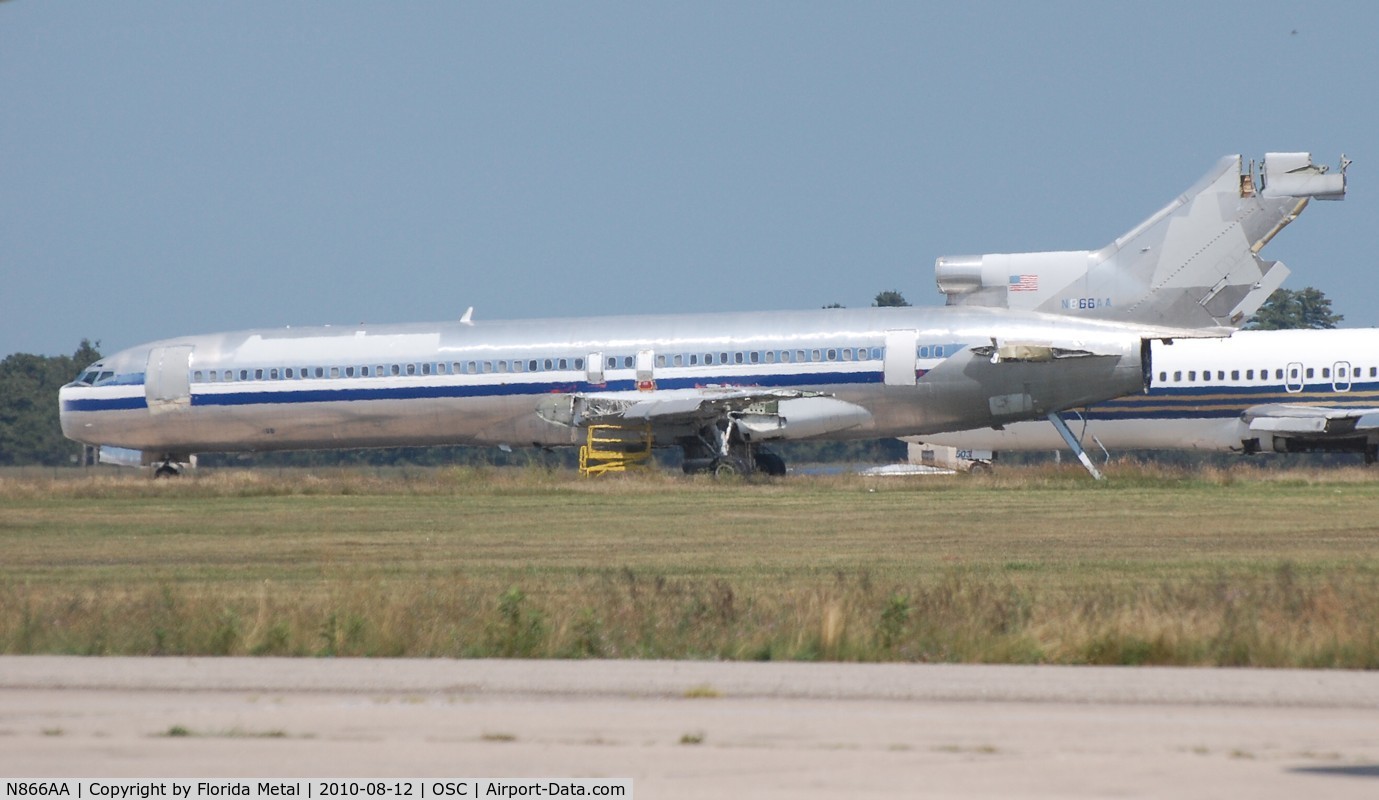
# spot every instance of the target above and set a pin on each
(1194, 264)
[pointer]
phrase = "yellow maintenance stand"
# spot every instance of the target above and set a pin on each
(615, 448)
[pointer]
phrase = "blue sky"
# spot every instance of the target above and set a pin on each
(171, 168)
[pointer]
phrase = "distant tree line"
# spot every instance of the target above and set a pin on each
(29, 429)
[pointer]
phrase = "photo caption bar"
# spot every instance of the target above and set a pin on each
(411, 789)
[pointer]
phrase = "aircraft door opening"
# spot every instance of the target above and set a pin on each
(167, 378)
(646, 376)
(1340, 376)
(900, 357)
(593, 366)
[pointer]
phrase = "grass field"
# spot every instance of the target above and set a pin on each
(1238, 567)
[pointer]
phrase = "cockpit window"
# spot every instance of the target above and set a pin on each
(95, 377)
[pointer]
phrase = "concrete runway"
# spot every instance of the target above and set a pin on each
(696, 729)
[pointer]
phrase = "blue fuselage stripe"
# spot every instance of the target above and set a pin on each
(270, 395)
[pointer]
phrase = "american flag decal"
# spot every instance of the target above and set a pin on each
(1024, 283)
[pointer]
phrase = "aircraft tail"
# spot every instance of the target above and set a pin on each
(1194, 264)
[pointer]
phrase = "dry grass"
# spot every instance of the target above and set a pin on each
(1155, 566)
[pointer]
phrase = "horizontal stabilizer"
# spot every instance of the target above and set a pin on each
(1294, 175)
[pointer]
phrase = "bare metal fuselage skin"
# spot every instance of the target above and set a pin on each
(860, 373)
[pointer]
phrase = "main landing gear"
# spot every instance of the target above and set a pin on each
(719, 448)
(170, 467)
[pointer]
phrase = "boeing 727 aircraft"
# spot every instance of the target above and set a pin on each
(718, 386)
(1258, 391)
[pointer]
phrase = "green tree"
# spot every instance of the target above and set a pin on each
(890, 298)
(1286, 309)
(30, 432)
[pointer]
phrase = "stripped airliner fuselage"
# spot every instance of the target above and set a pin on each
(794, 375)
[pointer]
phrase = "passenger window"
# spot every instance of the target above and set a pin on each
(563, 363)
(924, 351)
(1249, 374)
(679, 360)
(754, 356)
(1192, 374)
(196, 376)
(1326, 372)
(1310, 372)
(1278, 374)
(660, 361)
(612, 362)
(273, 374)
(832, 354)
(770, 356)
(1235, 374)
(349, 372)
(1163, 377)
(258, 374)
(244, 374)
(785, 356)
(1177, 376)
(815, 356)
